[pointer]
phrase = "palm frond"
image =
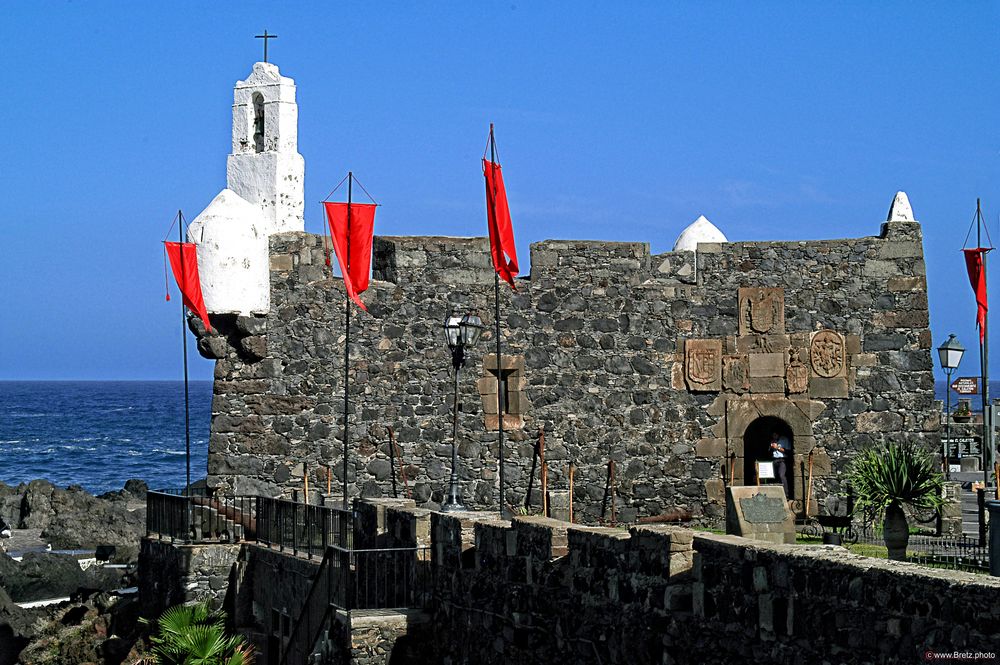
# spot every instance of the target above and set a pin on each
(895, 473)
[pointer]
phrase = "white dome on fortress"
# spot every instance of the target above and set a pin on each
(700, 230)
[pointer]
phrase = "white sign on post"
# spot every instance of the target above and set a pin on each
(765, 470)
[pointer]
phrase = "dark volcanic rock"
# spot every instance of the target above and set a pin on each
(10, 505)
(17, 626)
(92, 628)
(42, 575)
(80, 520)
(36, 506)
(137, 488)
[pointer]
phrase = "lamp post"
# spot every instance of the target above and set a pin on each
(461, 332)
(950, 354)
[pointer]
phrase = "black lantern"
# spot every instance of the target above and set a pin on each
(950, 354)
(460, 332)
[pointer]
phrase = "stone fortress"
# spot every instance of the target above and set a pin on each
(677, 366)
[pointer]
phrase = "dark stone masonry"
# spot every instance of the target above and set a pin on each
(675, 366)
(538, 590)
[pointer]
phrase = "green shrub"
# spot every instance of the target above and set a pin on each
(195, 635)
(895, 473)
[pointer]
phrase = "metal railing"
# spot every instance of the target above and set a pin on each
(380, 578)
(303, 528)
(349, 579)
(205, 516)
(313, 616)
(956, 552)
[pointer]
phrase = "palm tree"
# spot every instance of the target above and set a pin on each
(195, 635)
(885, 477)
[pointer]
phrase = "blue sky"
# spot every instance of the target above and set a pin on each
(617, 121)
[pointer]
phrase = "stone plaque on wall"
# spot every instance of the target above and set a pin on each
(761, 310)
(827, 354)
(736, 374)
(703, 364)
(797, 375)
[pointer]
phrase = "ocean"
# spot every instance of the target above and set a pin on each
(98, 434)
(975, 401)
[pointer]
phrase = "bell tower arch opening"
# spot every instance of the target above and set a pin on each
(258, 122)
(757, 446)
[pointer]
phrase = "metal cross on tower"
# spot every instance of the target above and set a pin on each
(265, 37)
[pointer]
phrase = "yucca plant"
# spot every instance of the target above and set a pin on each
(885, 477)
(195, 635)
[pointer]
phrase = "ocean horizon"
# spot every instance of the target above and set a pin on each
(98, 434)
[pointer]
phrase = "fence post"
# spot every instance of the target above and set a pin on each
(309, 527)
(981, 503)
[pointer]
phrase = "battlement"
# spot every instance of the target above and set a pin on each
(458, 261)
(543, 589)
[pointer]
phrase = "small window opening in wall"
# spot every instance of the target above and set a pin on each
(509, 404)
(505, 392)
(258, 122)
(504, 397)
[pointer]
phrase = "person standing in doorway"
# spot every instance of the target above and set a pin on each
(781, 453)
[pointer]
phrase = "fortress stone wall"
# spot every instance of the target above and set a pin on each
(673, 365)
(538, 590)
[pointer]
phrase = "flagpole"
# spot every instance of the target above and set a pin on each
(496, 314)
(984, 354)
(347, 331)
(187, 395)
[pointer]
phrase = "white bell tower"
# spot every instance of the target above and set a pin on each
(265, 167)
(263, 196)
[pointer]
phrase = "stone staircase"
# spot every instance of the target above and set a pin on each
(970, 502)
(209, 524)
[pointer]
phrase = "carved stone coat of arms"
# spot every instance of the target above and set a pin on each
(762, 311)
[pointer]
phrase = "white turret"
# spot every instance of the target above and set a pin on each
(900, 210)
(700, 230)
(264, 195)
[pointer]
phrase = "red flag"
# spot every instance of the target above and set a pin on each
(184, 263)
(354, 253)
(498, 217)
(977, 277)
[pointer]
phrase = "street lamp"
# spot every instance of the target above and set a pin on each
(461, 332)
(950, 355)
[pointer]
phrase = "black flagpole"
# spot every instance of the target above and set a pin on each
(347, 336)
(496, 315)
(187, 395)
(984, 355)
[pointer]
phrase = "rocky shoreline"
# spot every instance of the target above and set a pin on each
(98, 624)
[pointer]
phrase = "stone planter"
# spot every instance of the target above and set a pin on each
(895, 532)
(832, 539)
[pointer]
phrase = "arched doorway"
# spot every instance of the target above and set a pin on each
(757, 447)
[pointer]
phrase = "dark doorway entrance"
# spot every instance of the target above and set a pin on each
(757, 447)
